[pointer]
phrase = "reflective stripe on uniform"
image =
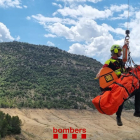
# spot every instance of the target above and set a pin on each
(118, 71)
(110, 60)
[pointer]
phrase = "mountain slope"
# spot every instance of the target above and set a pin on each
(40, 76)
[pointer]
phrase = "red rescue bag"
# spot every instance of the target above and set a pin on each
(109, 101)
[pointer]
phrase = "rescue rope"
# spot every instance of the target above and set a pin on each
(126, 53)
(128, 16)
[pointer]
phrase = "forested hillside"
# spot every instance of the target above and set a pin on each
(39, 76)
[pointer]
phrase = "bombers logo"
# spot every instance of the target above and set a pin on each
(67, 131)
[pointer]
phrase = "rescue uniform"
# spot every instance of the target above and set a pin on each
(118, 67)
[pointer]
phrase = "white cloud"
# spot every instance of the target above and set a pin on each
(55, 4)
(137, 15)
(5, 33)
(84, 30)
(17, 38)
(84, 11)
(18, 7)
(99, 47)
(118, 31)
(42, 19)
(28, 18)
(50, 35)
(49, 43)
(47, 20)
(118, 8)
(24, 6)
(10, 3)
(125, 14)
(77, 48)
(68, 21)
(61, 30)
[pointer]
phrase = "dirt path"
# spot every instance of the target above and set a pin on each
(37, 124)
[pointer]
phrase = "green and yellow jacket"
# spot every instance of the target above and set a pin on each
(116, 65)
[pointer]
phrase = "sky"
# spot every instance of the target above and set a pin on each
(84, 27)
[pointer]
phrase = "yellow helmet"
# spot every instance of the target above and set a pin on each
(116, 48)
